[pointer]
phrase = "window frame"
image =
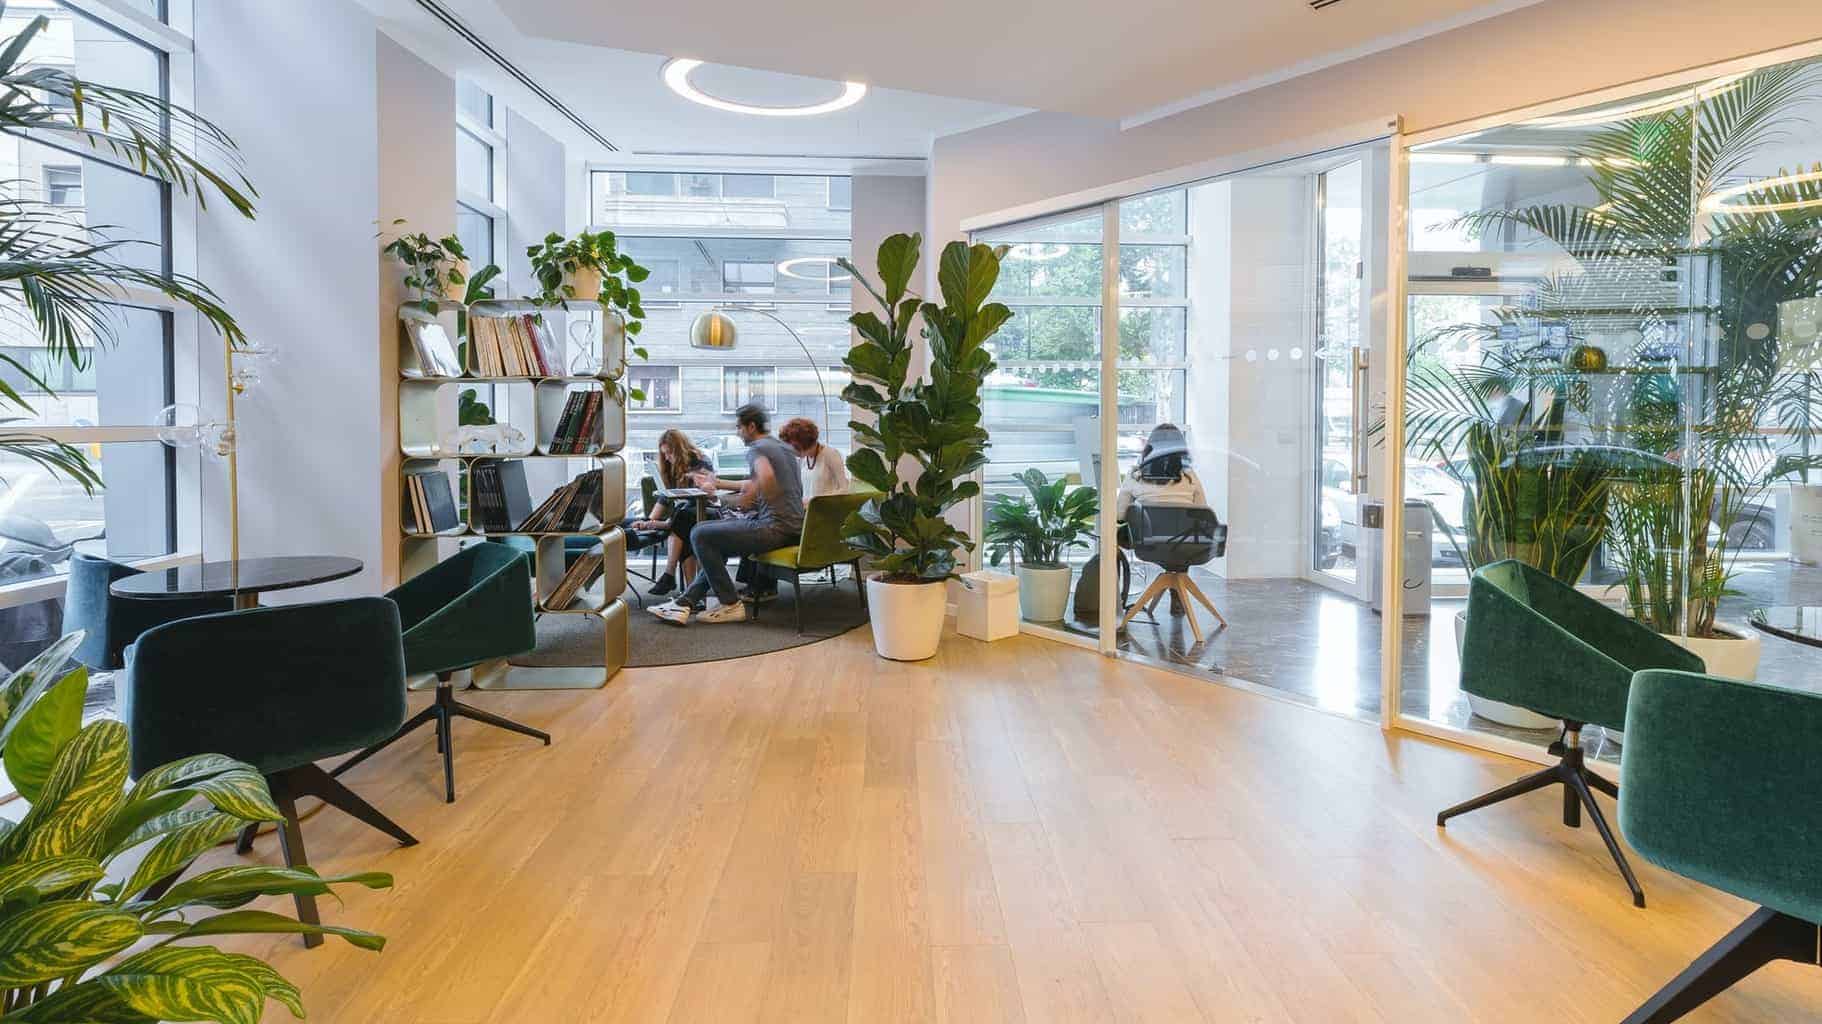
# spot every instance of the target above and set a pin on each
(770, 376)
(637, 370)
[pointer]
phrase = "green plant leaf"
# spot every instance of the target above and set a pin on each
(31, 680)
(254, 922)
(42, 730)
(54, 940)
(898, 256)
(33, 880)
(85, 788)
(190, 834)
(172, 983)
(229, 887)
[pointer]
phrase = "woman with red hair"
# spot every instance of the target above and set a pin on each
(824, 470)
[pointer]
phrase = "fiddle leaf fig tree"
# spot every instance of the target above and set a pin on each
(933, 425)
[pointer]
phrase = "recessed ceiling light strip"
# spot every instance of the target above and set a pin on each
(455, 24)
(676, 75)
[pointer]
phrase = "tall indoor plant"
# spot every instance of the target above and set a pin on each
(1037, 531)
(923, 439)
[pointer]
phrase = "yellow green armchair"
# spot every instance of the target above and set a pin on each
(820, 545)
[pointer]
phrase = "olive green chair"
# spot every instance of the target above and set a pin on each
(1721, 783)
(819, 546)
(1542, 645)
(473, 607)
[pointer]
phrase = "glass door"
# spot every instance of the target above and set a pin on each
(1341, 361)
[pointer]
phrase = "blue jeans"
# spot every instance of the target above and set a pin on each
(714, 542)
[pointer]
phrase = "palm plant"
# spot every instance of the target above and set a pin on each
(74, 901)
(1041, 529)
(1656, 254)
(65, 278)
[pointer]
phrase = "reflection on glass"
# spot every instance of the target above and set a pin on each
(1613, 365)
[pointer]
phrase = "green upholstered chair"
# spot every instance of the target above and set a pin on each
(1721, 782)
(111, 623)
(819, 546)
(473, 607)
(1542, 645)
(279, 688)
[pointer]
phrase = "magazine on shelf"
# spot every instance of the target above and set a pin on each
(436, 353)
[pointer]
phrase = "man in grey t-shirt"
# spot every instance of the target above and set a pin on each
(773, 491)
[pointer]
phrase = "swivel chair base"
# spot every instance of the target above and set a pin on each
(1578, 783)
(1181, 587)
(1759, 940)
(443, 711)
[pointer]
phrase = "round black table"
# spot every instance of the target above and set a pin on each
(1791, 622)
(244, 581)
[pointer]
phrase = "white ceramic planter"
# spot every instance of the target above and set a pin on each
(584, 284)
(1043, 592)
(1496, 711)
(907, 618)
(1733, 658)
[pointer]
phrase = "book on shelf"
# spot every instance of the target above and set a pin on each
(436, 354)
(586, 570)
(567, 508)
(499, 497)
(513, 345)
(575, 432)
(429, 504)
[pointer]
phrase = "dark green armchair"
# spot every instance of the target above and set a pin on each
(819, 546)
(279, 688)
(1541, 644)
(473, 607)
(1721, 783)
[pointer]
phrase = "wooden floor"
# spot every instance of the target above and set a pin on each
(1019, 831)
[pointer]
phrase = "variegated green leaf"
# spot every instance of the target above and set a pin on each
(229, 887)
(35, 879)
(53, 940)
(40, 731)
(241, 792)
(24, 686)
(171, 983)
(250, 922)
(85, 788)
(181, 845)
(234, 787)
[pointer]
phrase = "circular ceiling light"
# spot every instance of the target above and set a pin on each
(1723, 200)
(677, 75)
(1037, 252)
(828, 276)
(1645, 107)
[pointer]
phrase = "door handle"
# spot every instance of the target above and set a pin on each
(1361, 410)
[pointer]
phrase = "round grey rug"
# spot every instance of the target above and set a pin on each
(827, 612)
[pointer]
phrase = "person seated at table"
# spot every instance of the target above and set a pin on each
(678, 460)
(1161, 477)
(824, 469)
(768, 515)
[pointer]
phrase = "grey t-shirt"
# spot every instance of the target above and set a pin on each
(782, 503)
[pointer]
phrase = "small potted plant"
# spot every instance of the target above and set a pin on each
(1037, 531)
(591, 268)
(934, 424)
(436, 268)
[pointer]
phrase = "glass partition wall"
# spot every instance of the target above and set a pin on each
(1613, 316)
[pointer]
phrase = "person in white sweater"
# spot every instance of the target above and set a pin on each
(824, 469)
(1162, 475)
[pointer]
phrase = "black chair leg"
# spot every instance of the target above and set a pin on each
(1529, 784)
(309, 780)
(1759, 940)
(860, 587)
(797, 598)
(423, 717)
(1578, 783)
(291, 844)
(446, 747)
(244, 845)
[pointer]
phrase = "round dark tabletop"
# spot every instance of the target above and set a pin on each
(216, 579)
(1801, 624)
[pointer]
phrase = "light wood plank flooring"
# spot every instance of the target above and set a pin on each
(1015, 832)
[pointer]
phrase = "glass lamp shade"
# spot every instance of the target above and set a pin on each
(714, 330)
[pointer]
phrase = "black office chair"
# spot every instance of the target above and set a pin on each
(1175, 538)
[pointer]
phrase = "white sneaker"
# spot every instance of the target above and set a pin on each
(736, 612)
(673, 612)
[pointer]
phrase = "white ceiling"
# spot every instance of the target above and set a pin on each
(620, 93)
(1104, 58)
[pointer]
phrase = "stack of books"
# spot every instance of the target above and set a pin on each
(578, 426)
(519, 345)
(580, 575)
(498, 496)
(567, 508)
(429, 504)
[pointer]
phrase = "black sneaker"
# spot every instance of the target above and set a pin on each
(663, 586)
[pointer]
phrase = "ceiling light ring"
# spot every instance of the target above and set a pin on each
(676, 75)
(789, 269)
(1718, 200)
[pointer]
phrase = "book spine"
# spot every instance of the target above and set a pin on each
(564, 440)
(585, 434)
(421, 505)
(541, 365)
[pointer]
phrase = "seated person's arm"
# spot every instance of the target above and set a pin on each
(759, 483)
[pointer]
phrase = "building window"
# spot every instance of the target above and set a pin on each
(474, 230)
(841, 193)
(748, 186)
(63, 184)
(663, 279)
(474, 165)
(701, 186)
(662, 385)
(743, 384)
(645, 184)
(748, 277)
(474, 102)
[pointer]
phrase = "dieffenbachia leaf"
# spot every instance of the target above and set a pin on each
(40, 730)
(54, 940)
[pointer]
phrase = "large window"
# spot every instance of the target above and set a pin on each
(480, 174)
(760, 247)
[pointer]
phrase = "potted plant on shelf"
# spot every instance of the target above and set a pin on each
(591, 268)
(923, 440)
(436, 268)
(1037, 532)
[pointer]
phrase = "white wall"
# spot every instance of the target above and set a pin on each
(884, 205)
(295, 84)
(536, 180)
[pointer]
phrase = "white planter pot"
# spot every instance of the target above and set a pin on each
(584, 284)
(1734, 658)
(1043, 592)
(907, 618)
(1495, 711)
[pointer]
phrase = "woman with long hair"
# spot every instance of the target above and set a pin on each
(678, 460)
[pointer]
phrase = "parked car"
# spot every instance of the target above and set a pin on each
(1422, 482)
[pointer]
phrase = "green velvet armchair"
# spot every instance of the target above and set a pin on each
(473, 607)
(1541, 644)
(820, 546)
(1721, 783)
(263, 685)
